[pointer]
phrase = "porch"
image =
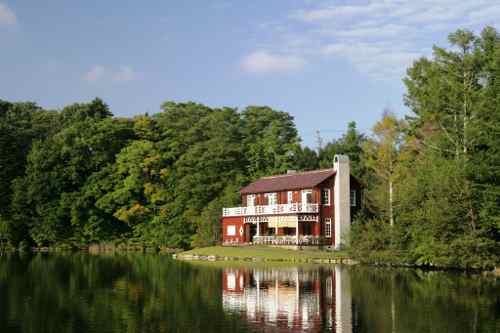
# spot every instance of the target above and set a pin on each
(307, 240)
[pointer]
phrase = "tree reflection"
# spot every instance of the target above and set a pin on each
(153, 293)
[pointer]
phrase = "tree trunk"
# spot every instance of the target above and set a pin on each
(391, 203)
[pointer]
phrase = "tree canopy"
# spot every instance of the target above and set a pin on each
(432, 180)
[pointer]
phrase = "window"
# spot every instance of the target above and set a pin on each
(231, 230)
(325, 196)
(231, 281)
(250, 200)
(289, 197)
(306, 196)
(353, 198)
(272, 198)
(328, 227)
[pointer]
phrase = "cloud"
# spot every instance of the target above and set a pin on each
(94, 74)
(380, 38)
(263, 61)
(124, 74)
(99, 73)
(7, 16)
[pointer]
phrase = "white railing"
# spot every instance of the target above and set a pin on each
(271, 209)
(288, 240)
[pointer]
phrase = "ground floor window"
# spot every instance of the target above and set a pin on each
(328, 227)
(289, 231)
(231, 230)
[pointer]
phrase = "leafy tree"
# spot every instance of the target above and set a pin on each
(349, 144)
(382, 154)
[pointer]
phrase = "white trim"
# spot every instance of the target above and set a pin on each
(327, 190)
(250, 200)
(273, 196)
(271, 209)
(289, 198)
(304, 195)
(328, 227)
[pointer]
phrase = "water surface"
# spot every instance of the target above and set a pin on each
(153, 293)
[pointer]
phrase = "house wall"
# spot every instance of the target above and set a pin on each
(317, 228)
(237, 222)
(260, 199)
(326, 211)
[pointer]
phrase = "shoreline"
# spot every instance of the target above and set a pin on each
(213, 258)
(247, 254)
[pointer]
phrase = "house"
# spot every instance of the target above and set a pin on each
(312, 208)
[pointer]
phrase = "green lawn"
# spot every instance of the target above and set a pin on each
(265, 253)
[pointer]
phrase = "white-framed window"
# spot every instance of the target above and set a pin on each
(250, 200)
(231, 281)
(231, 230)
(307, 196)
(353, 198)
(272, 198)
(325, 196)
(328, 227)
(289, 198)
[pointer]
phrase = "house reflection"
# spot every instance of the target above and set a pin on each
(290, 299)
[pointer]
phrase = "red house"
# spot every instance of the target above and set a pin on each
(312, 208)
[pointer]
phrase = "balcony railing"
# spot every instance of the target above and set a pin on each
(288, 240)
(271, 209)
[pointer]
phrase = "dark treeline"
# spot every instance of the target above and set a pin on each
(432, 180)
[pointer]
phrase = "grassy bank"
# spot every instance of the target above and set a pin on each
(263, 253)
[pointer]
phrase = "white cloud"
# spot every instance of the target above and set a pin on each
(124, 74)
(96, 73)
(7, 16)
(99, 73)
(262, 61)
(380, 38)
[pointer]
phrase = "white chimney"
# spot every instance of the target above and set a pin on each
(342, 200)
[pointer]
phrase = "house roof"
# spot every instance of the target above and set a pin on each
(299, 180)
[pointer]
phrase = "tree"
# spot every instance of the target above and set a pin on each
(382, 154)
(349, 144)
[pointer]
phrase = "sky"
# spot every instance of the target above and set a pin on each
(325, 62)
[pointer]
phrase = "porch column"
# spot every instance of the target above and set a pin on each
(258, 229)
(297, 230)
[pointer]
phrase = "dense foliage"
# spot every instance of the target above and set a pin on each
(81, 176)
(433, 178)
(432, 182)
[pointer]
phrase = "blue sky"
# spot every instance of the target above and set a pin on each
(324, 62)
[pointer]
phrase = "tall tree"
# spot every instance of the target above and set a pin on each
(382, 153)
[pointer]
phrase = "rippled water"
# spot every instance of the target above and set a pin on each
(153, 293)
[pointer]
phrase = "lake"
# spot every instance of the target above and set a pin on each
(135, 292)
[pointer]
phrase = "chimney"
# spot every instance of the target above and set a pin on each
(342, 200)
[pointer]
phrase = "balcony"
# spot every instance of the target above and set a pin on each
(271, 209)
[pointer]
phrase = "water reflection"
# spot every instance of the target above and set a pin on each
(294, 299)
(153, 293)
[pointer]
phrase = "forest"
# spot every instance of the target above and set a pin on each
(81, 176)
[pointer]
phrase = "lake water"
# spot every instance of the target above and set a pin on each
(153, 293)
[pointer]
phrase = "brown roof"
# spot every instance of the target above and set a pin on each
(299, 180)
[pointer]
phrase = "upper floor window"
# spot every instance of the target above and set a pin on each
(307, 196)
(272, 198)
(353, 198)
(250, 200)
(289, 198)
(325, 196)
